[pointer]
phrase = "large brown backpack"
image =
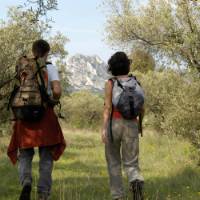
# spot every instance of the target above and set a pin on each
(28, 100)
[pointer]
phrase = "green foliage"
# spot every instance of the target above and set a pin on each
(142, 61)
(39, 8)
(83, 110)
(172, 103)
(170, 29)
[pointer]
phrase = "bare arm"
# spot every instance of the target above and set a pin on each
(107, 109)
(56, 90)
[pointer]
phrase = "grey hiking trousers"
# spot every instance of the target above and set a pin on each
(45, 169)
(124, 149)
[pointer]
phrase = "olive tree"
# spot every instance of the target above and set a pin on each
(169, 29)
(142, 61)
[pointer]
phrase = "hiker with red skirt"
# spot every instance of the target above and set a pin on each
(36, 124)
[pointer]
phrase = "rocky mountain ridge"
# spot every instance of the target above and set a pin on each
(86, 73)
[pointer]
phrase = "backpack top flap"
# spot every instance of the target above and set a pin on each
(42, 75)
(29, 93)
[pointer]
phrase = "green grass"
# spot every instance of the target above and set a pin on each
(167, 163)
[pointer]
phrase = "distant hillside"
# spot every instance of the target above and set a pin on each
(86, 73)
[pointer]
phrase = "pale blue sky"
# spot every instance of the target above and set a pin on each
(82, 21)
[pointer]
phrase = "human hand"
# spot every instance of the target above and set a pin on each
(140, 130)
(104, 136)
(52, 102)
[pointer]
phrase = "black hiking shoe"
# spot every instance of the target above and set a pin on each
(26, 193)
(137, 189)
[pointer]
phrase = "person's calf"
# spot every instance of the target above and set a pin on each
(137, 189)
(25, 193)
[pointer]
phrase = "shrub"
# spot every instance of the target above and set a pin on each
(172, 103)
(83, 110)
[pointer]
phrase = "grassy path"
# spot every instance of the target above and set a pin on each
(81, 174)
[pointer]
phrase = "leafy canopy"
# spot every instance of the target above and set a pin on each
(169, 29)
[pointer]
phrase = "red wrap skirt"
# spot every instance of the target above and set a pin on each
(46, 132)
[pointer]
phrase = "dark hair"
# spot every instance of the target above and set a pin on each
(119, 64)
(40, 48)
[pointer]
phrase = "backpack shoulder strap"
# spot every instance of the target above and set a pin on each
(48, 63)
(112, 111)
(112, 79)
(134, 77)
(42, 86)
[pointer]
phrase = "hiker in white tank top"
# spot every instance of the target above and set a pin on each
(123, 146)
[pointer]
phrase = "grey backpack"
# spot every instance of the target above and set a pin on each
(128, 97)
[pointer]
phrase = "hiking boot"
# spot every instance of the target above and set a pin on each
(137, 189)
(42, 196)
(26, 193)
